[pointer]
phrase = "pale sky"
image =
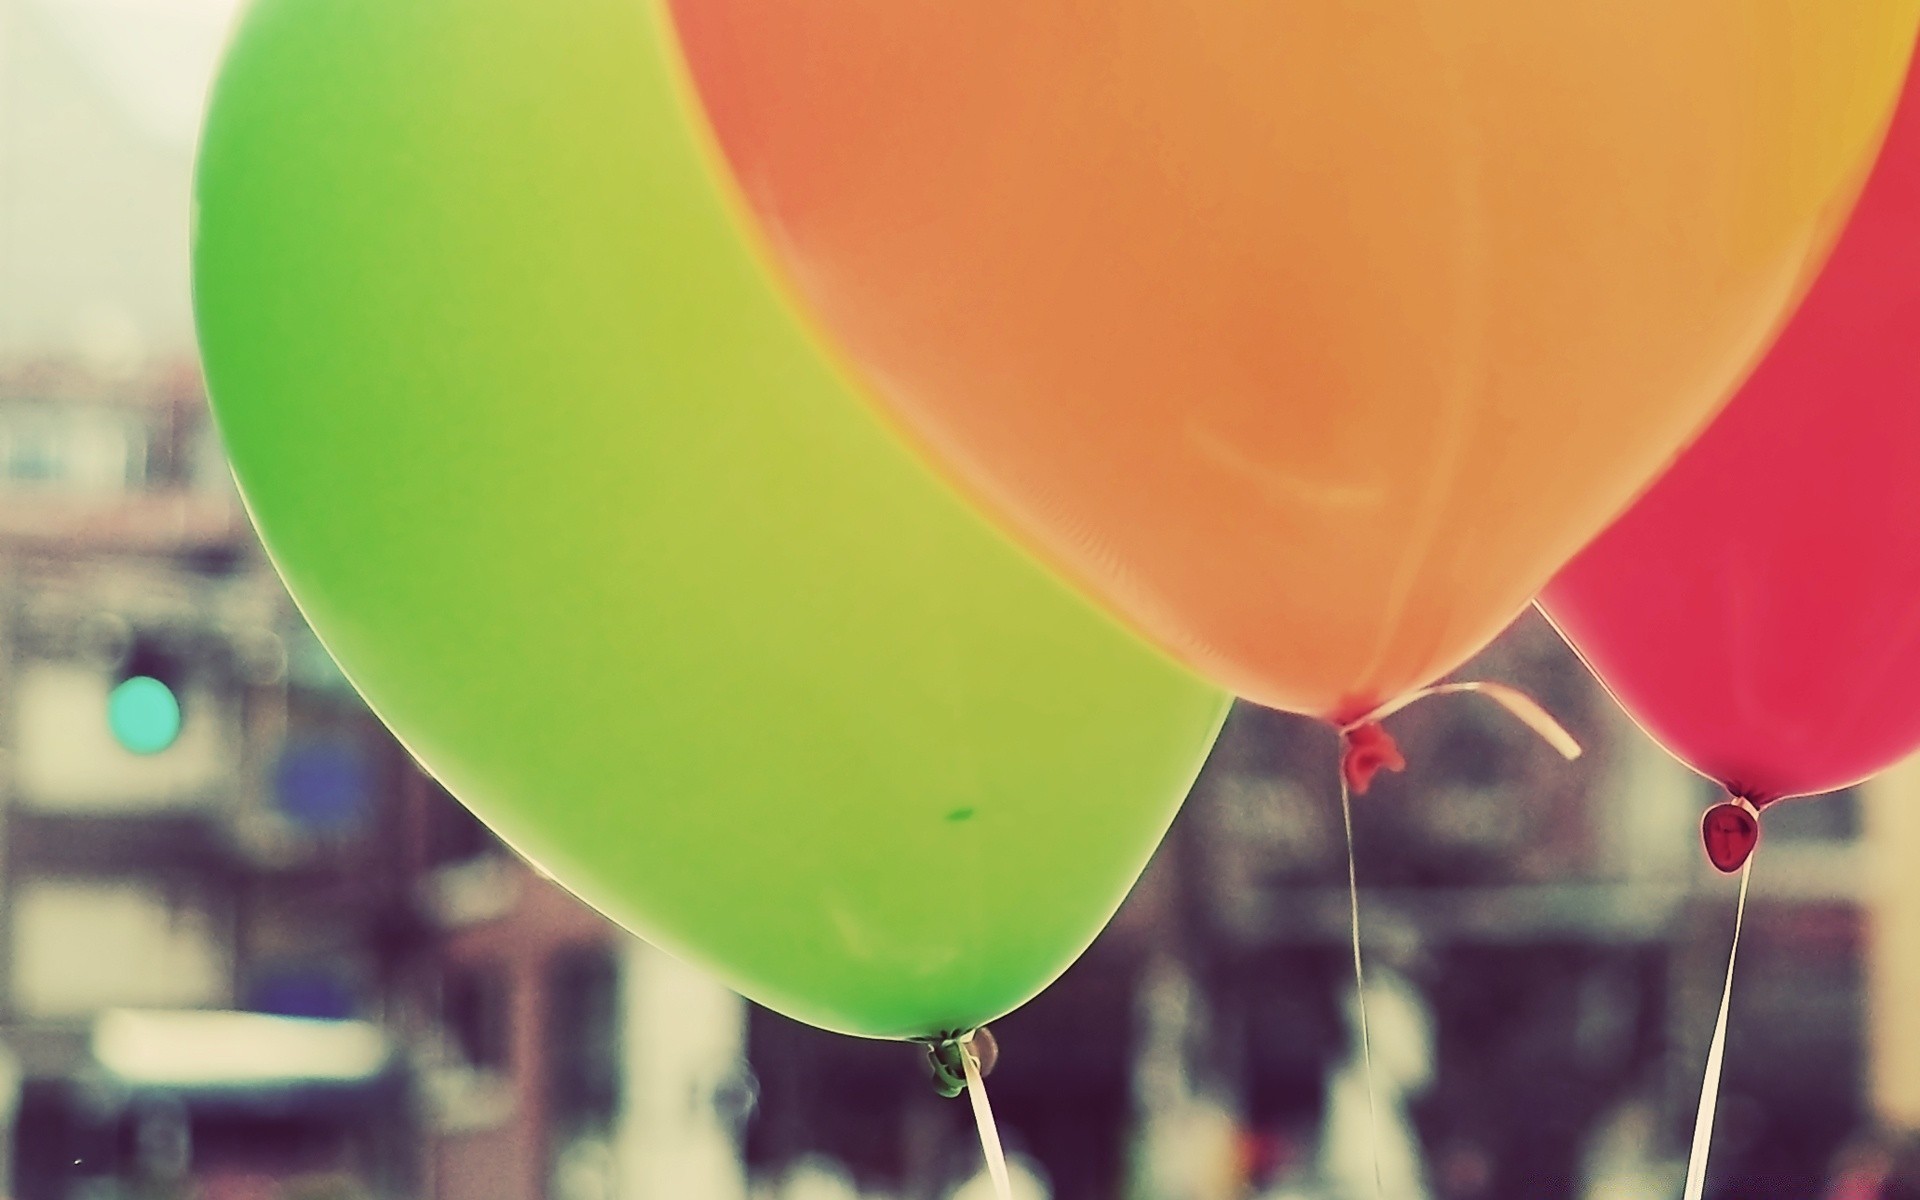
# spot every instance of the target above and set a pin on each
(94, 247)
(156, 56)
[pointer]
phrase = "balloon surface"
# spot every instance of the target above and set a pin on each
(1758, 611)
(565, 488)
(1311, 338)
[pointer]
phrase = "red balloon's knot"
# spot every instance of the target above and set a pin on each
(1368, 750)
(1730, 831)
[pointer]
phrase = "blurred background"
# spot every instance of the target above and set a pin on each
(248, 951)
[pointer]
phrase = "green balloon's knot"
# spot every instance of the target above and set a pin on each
(947, 1055)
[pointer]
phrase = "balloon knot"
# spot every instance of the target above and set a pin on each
(946, 1055)
(1368, 749)
(1730, 831)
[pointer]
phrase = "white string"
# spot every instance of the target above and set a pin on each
(1529, 712)
(983, 1117)
(1716, 1055)
(1524, 708)
(1360, 983)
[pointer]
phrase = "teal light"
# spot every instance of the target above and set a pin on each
(144, 715)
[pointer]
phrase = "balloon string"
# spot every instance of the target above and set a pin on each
(1360, 984)
(983, 1118)
(1716, 1056)
(1523, 707)
(1529, 712)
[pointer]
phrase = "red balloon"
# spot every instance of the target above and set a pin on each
(1758, 612)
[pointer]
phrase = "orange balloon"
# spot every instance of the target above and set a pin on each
(1311, 336)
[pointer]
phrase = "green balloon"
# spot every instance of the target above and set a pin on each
(598, 530)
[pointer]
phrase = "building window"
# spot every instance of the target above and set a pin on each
(77, 449)
(476, 1012)
(583, 1037)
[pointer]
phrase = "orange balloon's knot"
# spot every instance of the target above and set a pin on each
(944, 1054)
(1730, 831)
(1368, 750)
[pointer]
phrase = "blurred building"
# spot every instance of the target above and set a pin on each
(557, 1057)
(191, 849)
(1562, 930)
(192, 846)
(247, 949)
(1547, 943)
